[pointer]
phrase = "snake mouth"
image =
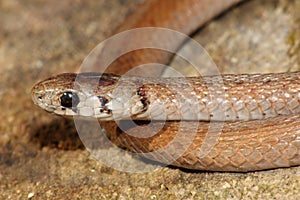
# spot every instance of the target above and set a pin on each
(37, 99)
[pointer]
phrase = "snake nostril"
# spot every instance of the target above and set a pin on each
(37, 98)
(69, 99)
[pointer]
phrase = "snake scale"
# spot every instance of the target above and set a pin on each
(245, 123)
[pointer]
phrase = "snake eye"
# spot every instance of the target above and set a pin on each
(69, 99)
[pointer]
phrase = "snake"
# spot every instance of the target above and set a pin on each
(232, 122)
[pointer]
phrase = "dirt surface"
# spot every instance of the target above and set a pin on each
(41, 156)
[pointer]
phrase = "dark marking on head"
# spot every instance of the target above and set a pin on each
(142, 92)
(105, 110)
(103, 100)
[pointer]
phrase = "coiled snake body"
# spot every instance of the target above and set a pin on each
(258, 114)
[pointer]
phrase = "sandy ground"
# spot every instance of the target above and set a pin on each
(41, 156)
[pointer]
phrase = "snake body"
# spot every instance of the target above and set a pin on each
(258, 114)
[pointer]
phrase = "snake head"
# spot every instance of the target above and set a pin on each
(69, 94)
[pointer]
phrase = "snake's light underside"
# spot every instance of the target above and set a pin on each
(229, 122)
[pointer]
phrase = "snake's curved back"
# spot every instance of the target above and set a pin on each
(185, 16)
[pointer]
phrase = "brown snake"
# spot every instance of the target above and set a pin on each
(261, 128)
